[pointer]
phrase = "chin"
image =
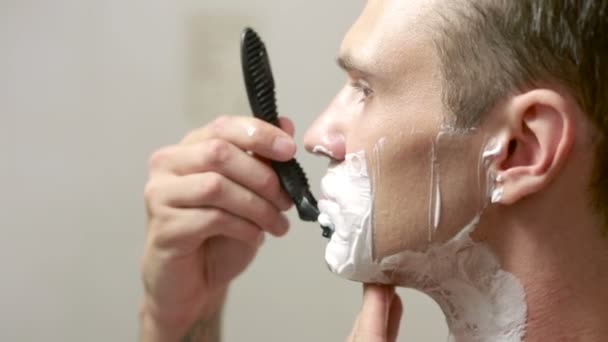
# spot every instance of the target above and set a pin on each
(351, 258)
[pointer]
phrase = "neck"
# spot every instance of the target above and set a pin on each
(481, 302)
(562, 263)
(526, 281)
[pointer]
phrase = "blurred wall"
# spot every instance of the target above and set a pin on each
(88, 89)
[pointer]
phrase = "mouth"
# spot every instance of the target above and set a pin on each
(331, 214)
(344, 199)
(325, 218)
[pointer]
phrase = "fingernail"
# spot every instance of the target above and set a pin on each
(284, 147)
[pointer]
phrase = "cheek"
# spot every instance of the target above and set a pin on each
(398, 140)
(401, 183)
(462, 180)
(427, 186)
(400, 155)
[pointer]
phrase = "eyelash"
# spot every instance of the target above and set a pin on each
(365, 90)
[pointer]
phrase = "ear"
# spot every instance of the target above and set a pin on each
(537, 137)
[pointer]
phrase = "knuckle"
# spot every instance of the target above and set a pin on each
(160, 219)
(161, 228)
(165, 236)
(190, 137)
(221, 122)
(151, 191)
(215, 218)
(170, 229)
(158, 158)
(213, 185)
(217, 152)
(154, 203)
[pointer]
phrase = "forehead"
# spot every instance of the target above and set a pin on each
(390, 32)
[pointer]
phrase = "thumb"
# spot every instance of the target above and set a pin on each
(379, 318)
(374, 315)
(395, 313)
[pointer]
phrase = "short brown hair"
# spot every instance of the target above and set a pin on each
(490, 48)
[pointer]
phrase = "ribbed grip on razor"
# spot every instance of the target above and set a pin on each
(258, 77)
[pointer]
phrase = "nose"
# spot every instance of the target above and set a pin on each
(326, 136)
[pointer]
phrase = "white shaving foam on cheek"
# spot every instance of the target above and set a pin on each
(347, 204)
(481, 301)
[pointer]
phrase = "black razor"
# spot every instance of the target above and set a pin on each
(260, 90)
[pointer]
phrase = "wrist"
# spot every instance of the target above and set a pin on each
(159, 324)
(154, 330)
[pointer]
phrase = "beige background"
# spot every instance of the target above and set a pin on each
(87, 90)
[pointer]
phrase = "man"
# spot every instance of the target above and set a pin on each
(520, 85)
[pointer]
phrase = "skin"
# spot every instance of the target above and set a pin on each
(559, 256)
(198, 241)
(207, 219)
(203, 229)
(380, 315)
(393, 96)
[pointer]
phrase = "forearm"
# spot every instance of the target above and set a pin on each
(202, 330)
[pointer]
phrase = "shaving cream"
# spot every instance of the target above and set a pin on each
(346, 204)
(481, 301)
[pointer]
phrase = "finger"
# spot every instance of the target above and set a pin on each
(374, 315)
(188, 228)
(248, 134)
(351, 337)
(394, 318)
(214, 190)
(224, 158)
(287, 125)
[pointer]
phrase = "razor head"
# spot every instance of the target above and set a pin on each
(259, 80)
(294, 181)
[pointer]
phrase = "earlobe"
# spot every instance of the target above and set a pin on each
(537, 137)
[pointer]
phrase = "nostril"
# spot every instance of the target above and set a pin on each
(333, 146)
(322, 150)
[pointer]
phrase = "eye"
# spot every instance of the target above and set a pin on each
(363, 88)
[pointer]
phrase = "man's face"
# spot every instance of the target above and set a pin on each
(391, 109)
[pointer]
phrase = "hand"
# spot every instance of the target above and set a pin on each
(380, 316)
(209, 203)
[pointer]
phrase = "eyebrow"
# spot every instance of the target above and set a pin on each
(349, 64)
